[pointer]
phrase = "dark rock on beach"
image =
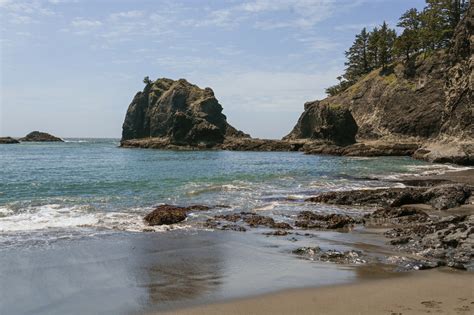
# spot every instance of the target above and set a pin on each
(331, 255)
(311, 220)
(37, 136)
(365, 197)
(166, 214)
(8, 140)
(447, 240)
(440, 197)
(169, 214)
(252, 219)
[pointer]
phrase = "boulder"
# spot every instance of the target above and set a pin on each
(37, 136)
(169, 214)
(166, 214)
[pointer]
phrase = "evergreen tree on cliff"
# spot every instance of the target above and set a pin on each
(357, 57)
(385, 43)
(408, 42)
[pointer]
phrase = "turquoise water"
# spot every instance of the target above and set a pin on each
(73, 241)
(91, 185)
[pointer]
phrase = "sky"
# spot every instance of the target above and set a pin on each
(71, 67)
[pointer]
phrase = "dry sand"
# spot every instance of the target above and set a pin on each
(422, 292)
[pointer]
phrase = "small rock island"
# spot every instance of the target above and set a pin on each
(37, 136)
(8, 140)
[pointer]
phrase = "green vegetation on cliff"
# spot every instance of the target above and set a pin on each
(422, 32)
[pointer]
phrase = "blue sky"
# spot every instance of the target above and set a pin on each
(71, 67)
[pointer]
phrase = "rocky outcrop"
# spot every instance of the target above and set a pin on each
(8, 140)
(311, 220)
(177, 113)
(329, 122)
(458, 113)
(440, 197)
(455, 142)
(391, 105)
(428, 102)
(367, 148)
(37, 136)
(169, 214)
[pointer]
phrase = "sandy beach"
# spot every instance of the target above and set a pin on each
(436, 291)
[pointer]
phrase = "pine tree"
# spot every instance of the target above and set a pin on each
(408, 42)
(426, 31)
(385, 43)
(373, 49)
(357, 57)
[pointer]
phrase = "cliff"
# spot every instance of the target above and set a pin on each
(428, 102)
(178, 113)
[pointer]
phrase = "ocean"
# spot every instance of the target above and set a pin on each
(71, 227)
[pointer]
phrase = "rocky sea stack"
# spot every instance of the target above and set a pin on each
(37, 136)
(177, 113)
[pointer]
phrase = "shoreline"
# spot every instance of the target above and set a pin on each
(434, 291)
(440, 290)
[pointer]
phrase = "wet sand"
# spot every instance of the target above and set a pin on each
(129, 273)
(423, 292)
(466, 177)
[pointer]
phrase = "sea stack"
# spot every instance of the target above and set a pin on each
(177, 113)
(37, 136)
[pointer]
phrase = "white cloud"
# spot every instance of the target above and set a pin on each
(266, 90)
(84, 23)
(127, 15)
(318, 44)
(355, 27)
(20, 19)
(25, 12)
(299, 13)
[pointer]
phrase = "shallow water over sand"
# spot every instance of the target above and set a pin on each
(72, 238)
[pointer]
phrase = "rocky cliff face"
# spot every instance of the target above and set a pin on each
(429, 102)
(327, 122)
(179, 112)
(392, 103)
(458, 110)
